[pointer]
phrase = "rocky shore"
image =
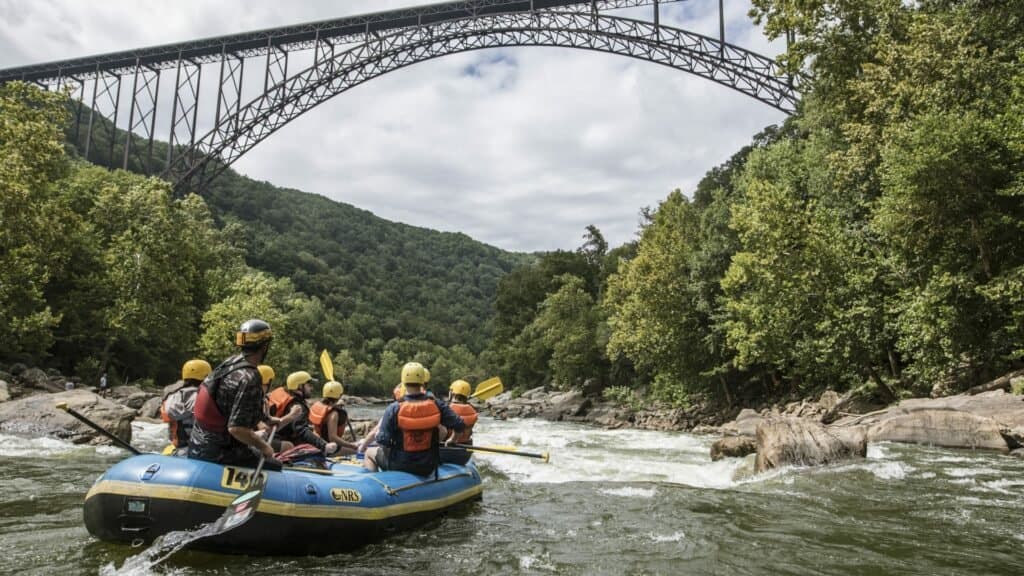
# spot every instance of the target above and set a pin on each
(807, 432)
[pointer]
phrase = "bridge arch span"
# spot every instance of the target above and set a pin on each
(723, 63)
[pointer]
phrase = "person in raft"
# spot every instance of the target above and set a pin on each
(330, 419)
(289, 404)
(229, 405)
(458, 400)
(177, 408)
(409, 430)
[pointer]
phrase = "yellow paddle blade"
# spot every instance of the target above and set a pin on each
(326, 365)
(489, 389)
(168, 450)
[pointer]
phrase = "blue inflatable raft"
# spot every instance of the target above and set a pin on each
(302, 512)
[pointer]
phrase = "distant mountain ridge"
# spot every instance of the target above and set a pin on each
(385, 278)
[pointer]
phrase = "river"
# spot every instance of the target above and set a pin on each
(609, 502)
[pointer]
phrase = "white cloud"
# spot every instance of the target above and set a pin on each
(521, 148)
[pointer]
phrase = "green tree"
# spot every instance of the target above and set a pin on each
(32, 160)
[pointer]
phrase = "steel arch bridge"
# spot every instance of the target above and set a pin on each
(345, 53)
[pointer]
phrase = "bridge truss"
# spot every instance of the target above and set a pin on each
(209, 127)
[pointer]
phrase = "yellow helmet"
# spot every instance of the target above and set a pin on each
(399, 392)
(297, 379)
(414, 373)
(460, 387)
(333, 389)
(195, 370)
(426, 375)
(267, 373)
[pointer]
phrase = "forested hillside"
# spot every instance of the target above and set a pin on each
(875, 240)
(108, 270)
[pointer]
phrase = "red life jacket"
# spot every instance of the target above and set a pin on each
(318, 417)
(280, 401)
(206, 411)
(417, 419)
(469, 416)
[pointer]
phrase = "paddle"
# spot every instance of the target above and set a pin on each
(488, 389)
(244, 506)
(64, 406)
(327, 367)
(503, 450)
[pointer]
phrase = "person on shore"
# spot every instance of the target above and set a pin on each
(408, 439)
(288, 403)
(229, 405)
(458, 400)
(330, 419)
(177, 408)
(103, 384)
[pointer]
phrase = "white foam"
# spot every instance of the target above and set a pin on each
(970, 472)
(18, 447)
(630, 492)
(583, 454)
(662, 538)
(535, 563)
(890, 470)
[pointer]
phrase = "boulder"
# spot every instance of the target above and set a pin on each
(745, 424)
(120, 393)
(950, 428)
(38, 416)
(38, 379)
(151, 408)
(829, 400)
(733, 447)
(795, 441)
(570, 404)
(5, 394)
(138, 399)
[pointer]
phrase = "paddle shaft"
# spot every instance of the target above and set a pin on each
(263, 457)
(99, 429)
(544, 456)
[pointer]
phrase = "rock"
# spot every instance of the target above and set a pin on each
(566, 404)
(17, 368)
(829, 399)
(1017, 386)
(793, 441)
(533, 393)
(120, 393)
(948, 428)
(38, 416)
(138, 399)
(5, 394)
(151, 408)
(1019, 453)
(172, 388)
(733, 447)
(705, 430)
(745, 424)
(38, 379)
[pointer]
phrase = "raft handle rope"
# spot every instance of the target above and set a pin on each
(393, 491)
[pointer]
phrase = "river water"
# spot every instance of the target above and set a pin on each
(609, 502)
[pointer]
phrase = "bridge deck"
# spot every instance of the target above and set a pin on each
(296, 37)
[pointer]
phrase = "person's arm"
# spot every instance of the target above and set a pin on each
(304, 432)
(249, 437)
(246, 413)
(333, 421)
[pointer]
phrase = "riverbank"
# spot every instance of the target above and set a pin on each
(822, 430)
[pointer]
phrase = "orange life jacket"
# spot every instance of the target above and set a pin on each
(469, 416)
(175, 429)
(318, 417)
(417, 419)
(280, 401)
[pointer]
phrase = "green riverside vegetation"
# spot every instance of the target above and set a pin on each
(875, 239)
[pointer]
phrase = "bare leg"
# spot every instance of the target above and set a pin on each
(369, 461)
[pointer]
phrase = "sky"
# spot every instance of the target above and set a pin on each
(520, 148)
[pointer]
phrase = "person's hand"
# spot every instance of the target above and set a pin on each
(361, 447)
(331, 448)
